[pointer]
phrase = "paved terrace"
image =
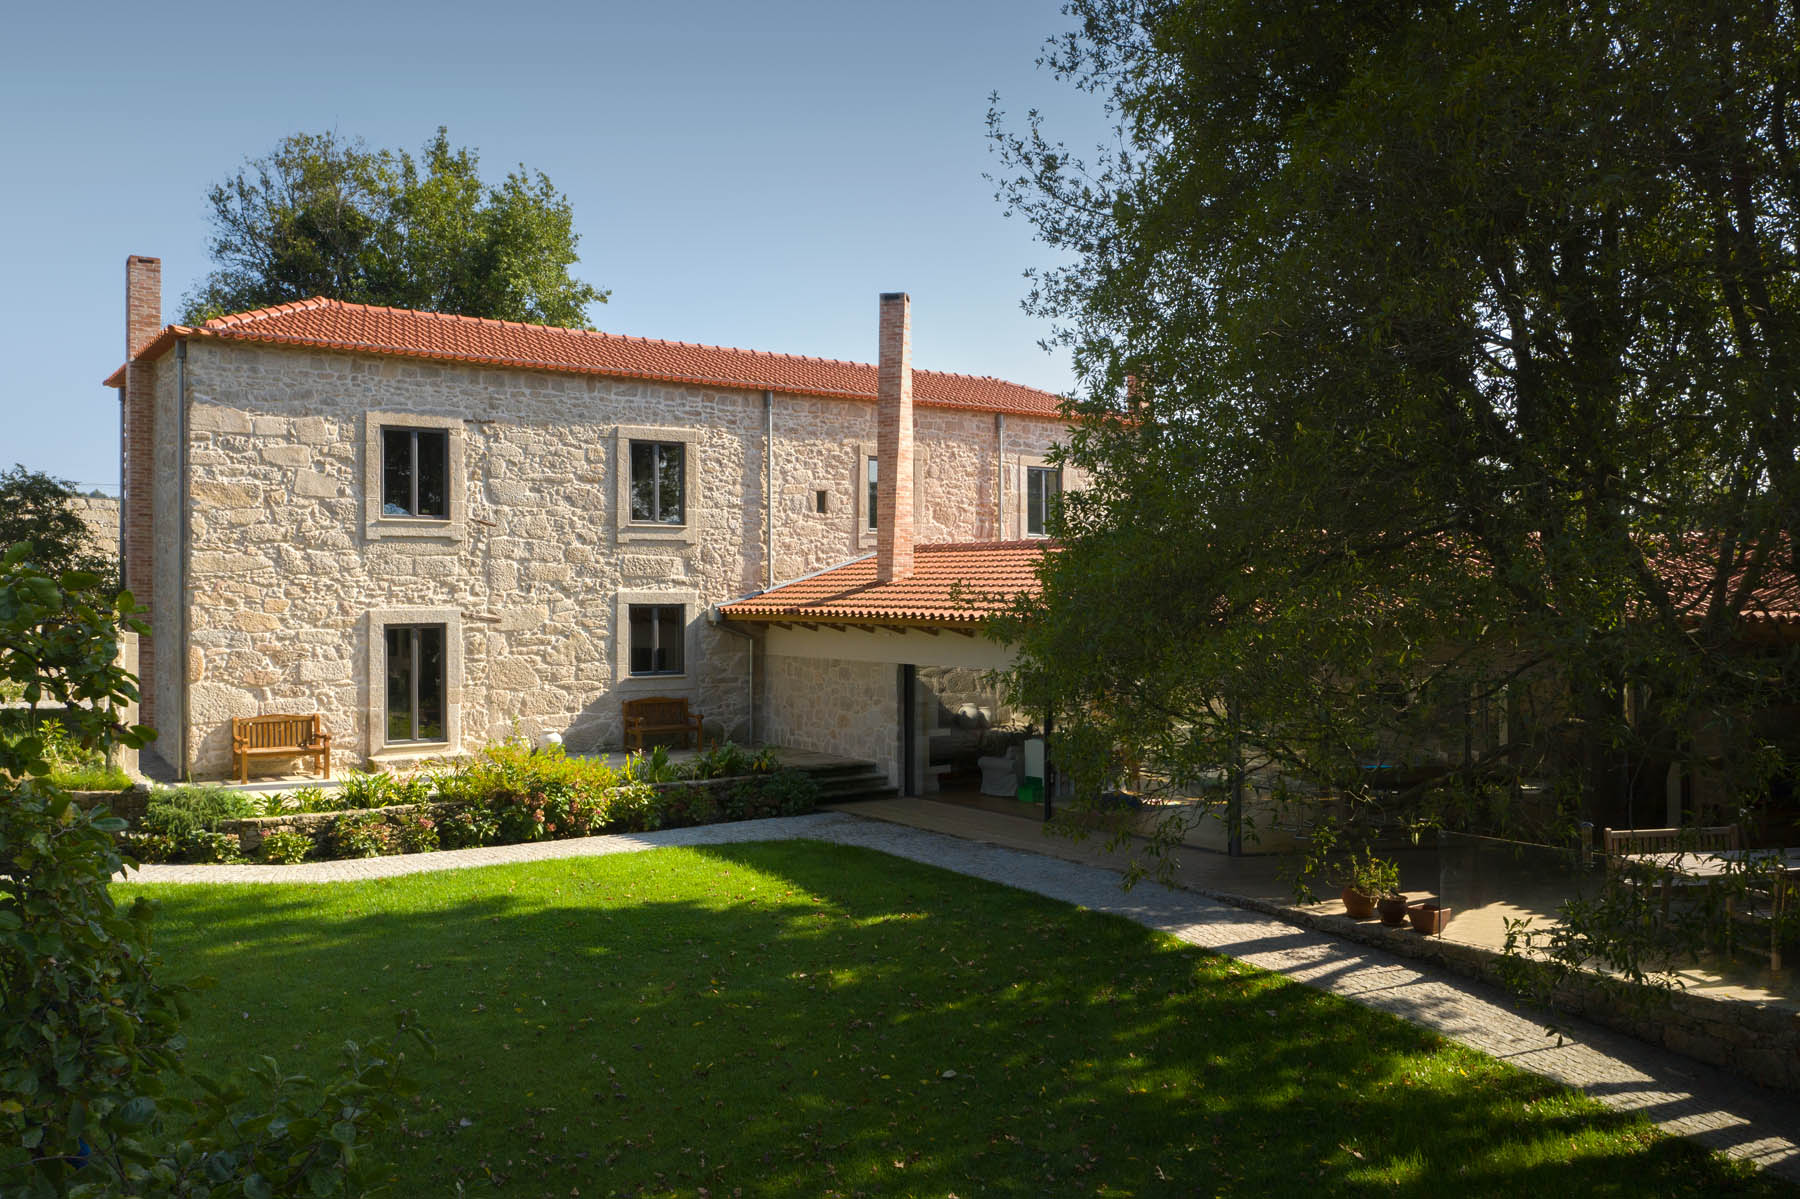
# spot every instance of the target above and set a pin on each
(1679, 1095)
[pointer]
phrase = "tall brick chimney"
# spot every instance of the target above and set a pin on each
(894, 442)
(143, 302)
(143, 321)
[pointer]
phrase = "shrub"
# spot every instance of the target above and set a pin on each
(365, 789)
(210, 848)
(90, 1038)
(149, 847)
(680, 807)
(467, 828)
(360, 835)
(632, 808)
(729, 759)
(180, 812)
(98, 777)
(285, 847)
(784, 793)
(415, 832)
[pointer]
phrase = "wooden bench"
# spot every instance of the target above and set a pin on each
(658, 714)
(280, 737)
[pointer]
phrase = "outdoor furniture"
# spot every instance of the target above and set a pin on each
(1781, 867)
(1634, 847)
(659, 714)
(280, 736)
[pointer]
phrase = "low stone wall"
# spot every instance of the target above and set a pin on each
(128, 804)
(1758, 1041)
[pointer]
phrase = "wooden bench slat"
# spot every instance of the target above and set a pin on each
(280, 735)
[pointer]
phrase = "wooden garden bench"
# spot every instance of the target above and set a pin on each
(280, 737)
(658, 714)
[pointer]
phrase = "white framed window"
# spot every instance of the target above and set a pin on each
(658, 472)
(1043, 492)
(658, 639)
(413, 476)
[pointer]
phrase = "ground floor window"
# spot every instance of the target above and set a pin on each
(415, 683)
(656, 638)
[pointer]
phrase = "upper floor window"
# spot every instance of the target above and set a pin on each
(1043, 489)
(659, 482)
(869, 471)
(415, 473)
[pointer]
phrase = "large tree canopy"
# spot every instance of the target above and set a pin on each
(1441, 370)
(321, 216)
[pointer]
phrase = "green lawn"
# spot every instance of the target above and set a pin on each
(795, 1019)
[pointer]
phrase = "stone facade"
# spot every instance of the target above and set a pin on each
(292, 572)
(834, 706)
(100, 513)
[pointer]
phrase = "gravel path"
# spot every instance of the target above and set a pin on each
(1682, 1096)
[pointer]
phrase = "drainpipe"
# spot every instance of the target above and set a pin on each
(181, 408)
(719, 622)
(999, 476)
(769, 489)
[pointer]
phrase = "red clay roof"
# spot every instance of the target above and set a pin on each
(955, 584)
(360, 328)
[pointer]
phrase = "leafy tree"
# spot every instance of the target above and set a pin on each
(35, 507)
(89, 1035)
(1441, 367)
(319, 216)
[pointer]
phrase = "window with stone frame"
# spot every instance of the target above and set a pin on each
(416, 709)
(1043, 491)
(871, 471)
(657, 632)
(415, 472)
(659, 482)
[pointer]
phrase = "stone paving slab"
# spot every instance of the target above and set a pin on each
(1681, 1096)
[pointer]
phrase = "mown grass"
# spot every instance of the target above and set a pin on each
(797, 1019)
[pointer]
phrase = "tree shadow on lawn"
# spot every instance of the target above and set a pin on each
(795, 1020)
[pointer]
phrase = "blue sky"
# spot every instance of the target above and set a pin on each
(746, 174)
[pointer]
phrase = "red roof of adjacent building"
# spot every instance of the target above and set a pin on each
(951, 584)
(360, 328)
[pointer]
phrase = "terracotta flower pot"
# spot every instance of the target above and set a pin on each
(1428, 918)
(1357, 906)
(1392, 909)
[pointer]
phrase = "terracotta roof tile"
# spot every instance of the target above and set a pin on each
(951, 584)
(360, 328)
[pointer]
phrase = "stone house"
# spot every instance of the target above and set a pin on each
(436, 530)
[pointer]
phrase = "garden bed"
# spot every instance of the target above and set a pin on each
(507, 795)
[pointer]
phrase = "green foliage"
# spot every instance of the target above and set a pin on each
(730, 760)
(323, 217)
(415, 832)
(38, 509)
(89, 1036)
(467, 827)
(784, 793)
(1439, 371)
(285, 847)
(1377, 878)
(183, 811)
(361, 835)
(364, 789)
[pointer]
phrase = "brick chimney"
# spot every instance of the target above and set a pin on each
(143, 302)
(143, 321)
(894, 442)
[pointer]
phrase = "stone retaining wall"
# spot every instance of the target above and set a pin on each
(1758, 1041)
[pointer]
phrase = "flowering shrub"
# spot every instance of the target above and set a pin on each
(285, 846)
(415, 832)
(360, 835)
(467, 828)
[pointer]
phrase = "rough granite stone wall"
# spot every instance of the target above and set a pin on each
(835, 707)
(101, 516)
(165, 583)
(292, 570)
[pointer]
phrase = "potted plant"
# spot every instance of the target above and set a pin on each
(1369, 879)
(1428, 916)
